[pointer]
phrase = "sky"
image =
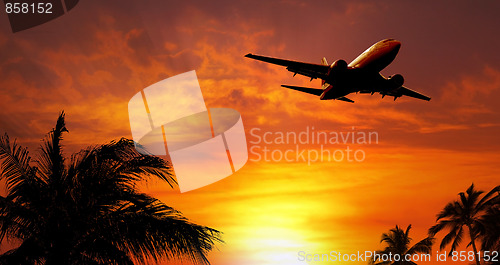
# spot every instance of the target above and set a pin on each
(93, 60)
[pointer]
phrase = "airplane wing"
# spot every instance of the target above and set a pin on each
(345, 99)
(314, 91)
(411, 93)
(307, 69)
(399, 92)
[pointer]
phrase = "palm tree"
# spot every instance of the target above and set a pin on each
(466, 212)
(489, 231)
(398, 244)
(89, 210)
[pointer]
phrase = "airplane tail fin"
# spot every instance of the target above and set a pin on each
(323, 62)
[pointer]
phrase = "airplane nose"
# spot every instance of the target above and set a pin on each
(396, 44)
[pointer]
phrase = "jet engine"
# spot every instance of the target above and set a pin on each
(397, 80)
(339, 65)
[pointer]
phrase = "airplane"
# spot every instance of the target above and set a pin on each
(361, 75)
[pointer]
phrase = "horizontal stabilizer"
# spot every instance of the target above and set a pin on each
(345, 99)
(314, 91)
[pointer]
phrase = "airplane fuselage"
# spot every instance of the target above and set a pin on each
(362, 74)
(352, 81)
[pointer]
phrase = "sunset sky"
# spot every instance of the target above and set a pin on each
(91, 61)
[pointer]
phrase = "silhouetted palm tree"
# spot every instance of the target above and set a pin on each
(398, 243)
(466, 212)
(89, 211)
(489, 231)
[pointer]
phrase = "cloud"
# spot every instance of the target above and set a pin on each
(114, 60)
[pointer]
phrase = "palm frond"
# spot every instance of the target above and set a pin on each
(443, 224)
(15, 167)
(491, 198)
(16, 220)
(449, 237)
(457, 240)
(100, 252)
(50, 160)
(449, 210)
(28, 253)
(423, 246)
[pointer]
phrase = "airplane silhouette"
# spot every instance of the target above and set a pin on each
(361, 75)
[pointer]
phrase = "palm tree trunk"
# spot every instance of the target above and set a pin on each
(472, 238)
